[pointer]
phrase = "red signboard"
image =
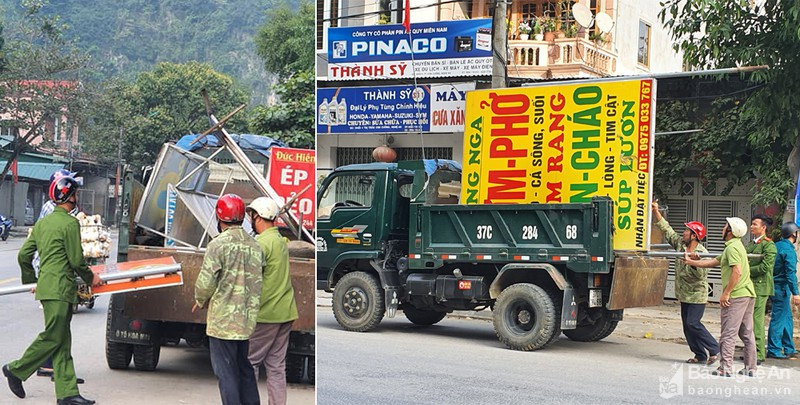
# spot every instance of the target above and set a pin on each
(290, 171)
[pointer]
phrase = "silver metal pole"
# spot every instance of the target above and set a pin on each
(703, 255)
(117, 275)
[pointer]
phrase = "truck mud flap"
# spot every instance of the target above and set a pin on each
(569, 310)
(638, 281)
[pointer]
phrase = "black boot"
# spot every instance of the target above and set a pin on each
(14, 383)
(75, 400)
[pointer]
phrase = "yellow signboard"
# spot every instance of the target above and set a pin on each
(565, 143)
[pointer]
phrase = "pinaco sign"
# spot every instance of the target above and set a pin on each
(435, 49)
(290, 171)
(565, 143)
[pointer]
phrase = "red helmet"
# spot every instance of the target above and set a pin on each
(697, 228)
(230, 208)
(62, 188)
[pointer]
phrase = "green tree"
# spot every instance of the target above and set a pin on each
(728, 33)
(286, 43)
(41, 81)
(286, 40)
(159, 106)
(291, 119)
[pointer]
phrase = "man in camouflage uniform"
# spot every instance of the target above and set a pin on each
(229, 284)
(691, 288)
(761, 275)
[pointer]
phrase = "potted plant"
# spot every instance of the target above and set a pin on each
(549, 28)
(524, 31)
(571, 30)
(597, 38)
(537, 31)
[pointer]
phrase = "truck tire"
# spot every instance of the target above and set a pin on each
(526, 317)
(601, 329)
(118, 355)
(358, 302)
(145, 357)
(312, 370)
(295, 367)
(421, 316)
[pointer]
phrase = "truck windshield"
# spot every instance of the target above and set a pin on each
(444, 187)
(347, 190)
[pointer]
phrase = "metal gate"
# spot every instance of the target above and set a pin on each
(693, 200)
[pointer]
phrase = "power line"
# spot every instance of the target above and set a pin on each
(390, 10)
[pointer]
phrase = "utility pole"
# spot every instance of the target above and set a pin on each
(117, 202)
(499, 45)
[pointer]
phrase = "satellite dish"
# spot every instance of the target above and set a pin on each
(604, 22)
(582, 14)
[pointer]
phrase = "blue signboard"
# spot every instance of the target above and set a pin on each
(392, 109)
(438, 49)
(373, 109)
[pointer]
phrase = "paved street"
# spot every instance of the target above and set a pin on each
(183, 376)
(460, 361)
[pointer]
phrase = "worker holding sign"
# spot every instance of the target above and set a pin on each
(57, 238)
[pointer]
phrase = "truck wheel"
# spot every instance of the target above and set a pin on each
(358, 302)
(312, 370)
(295, 365)
(422, 317)
(526, 317)
(601, 329)
(145, 357)
(118, 355)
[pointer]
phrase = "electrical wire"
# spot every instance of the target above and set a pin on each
(371, 13)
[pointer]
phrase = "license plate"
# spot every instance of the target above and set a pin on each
(595, 298)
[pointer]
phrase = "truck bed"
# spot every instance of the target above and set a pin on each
(174, 304)
(578, 235)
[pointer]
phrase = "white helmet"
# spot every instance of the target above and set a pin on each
(738, 226)
(265, 208)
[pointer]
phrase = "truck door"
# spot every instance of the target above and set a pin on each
(346, 219)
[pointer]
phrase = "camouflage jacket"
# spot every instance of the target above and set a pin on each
(691, 283)
(230, 283)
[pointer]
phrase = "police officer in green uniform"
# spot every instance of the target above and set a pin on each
(57, 238)
(761, 275)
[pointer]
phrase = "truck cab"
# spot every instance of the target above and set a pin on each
(364, 211)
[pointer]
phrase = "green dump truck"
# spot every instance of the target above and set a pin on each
(392, 236)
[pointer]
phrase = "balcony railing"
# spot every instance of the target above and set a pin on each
(566, 54)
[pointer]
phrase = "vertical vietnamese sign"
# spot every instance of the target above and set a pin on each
(565, 143)
(290, 171)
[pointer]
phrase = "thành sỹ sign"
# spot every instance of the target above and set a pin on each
(565, 143)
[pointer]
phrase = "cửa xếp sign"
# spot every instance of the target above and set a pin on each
(565, 143)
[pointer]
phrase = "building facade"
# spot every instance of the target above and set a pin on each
(636, 44)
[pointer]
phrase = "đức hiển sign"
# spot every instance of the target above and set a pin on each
(565, 143)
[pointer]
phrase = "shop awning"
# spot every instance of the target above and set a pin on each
(34, 171)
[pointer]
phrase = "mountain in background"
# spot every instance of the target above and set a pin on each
(126, 37)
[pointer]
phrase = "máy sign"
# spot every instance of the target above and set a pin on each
(565, 143)
(436, 49)
(290, 171)
(392, 109)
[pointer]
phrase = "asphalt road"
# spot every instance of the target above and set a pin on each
(184, 375)
(460, 361)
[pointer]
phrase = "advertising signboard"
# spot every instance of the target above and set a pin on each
(290, 171)
(432, 49)
(565, 143)
(392, 109)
